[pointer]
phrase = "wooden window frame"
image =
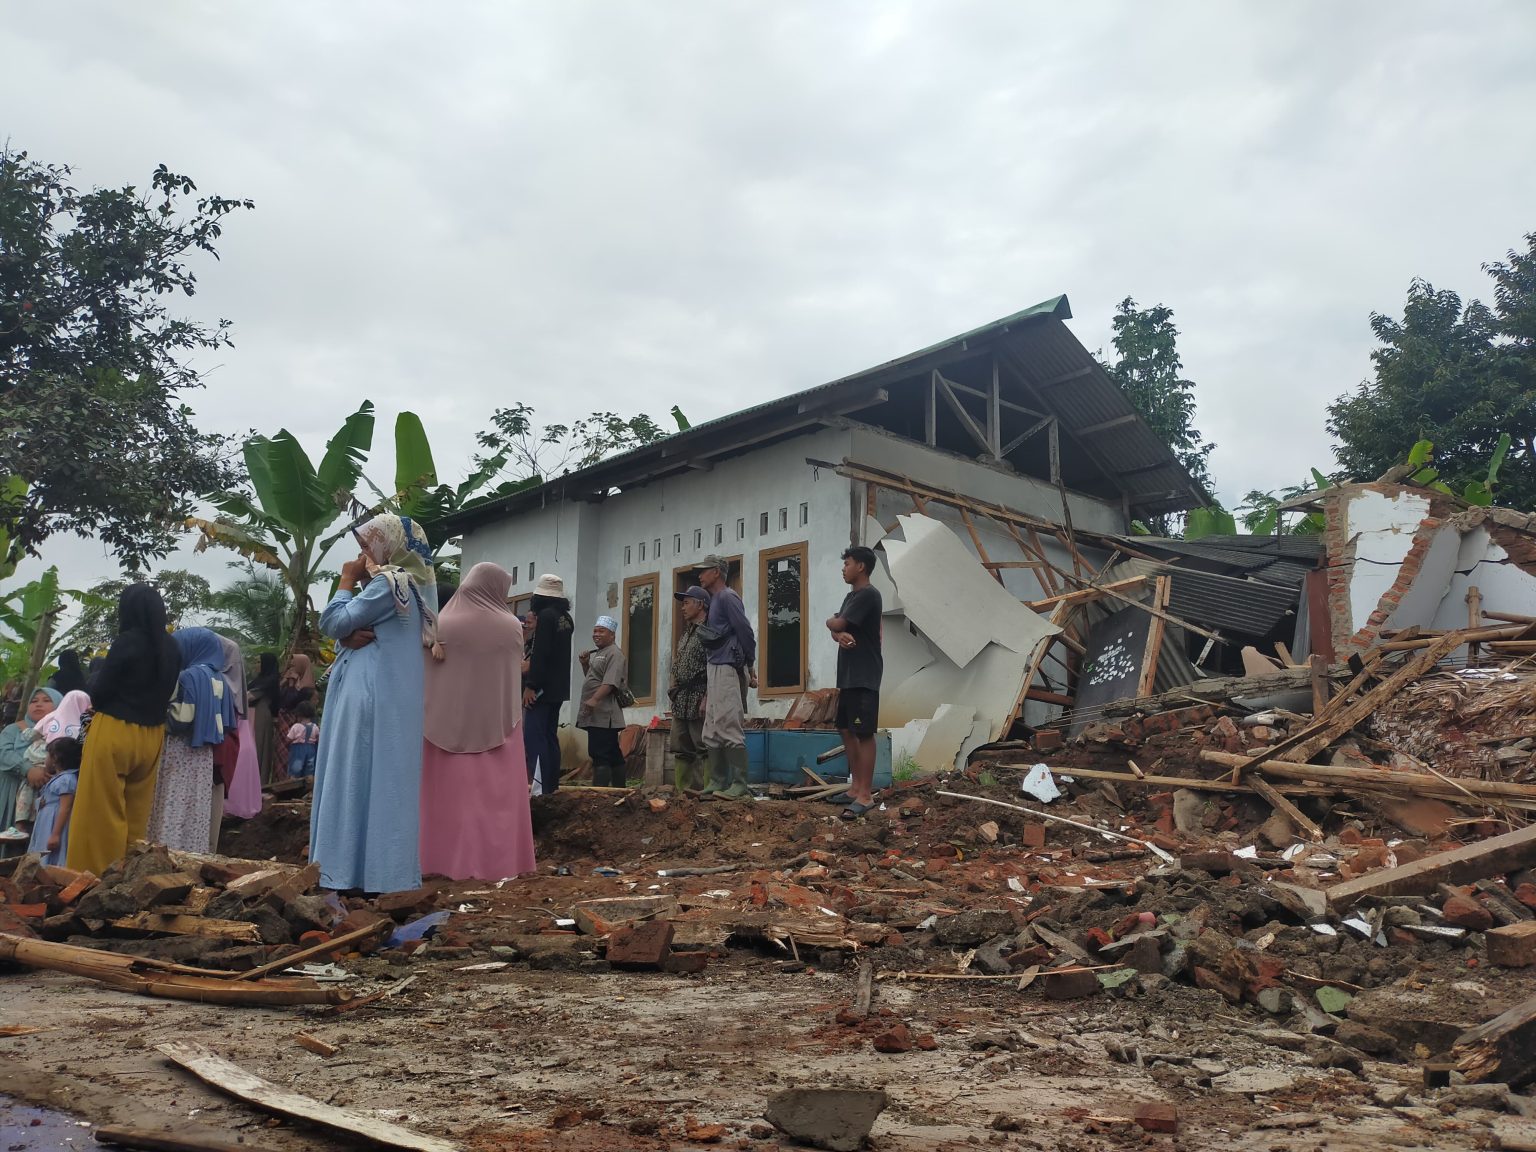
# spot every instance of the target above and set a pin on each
(654, 580)
(801, 548)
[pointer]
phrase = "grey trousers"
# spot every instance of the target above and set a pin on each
(724, 708)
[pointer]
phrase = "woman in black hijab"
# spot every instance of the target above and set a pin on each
(265, 696)
(129, 698)
(70, 677)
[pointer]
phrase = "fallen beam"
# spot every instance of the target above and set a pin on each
(1506, 853)
(1384, 779)
(213, 1069)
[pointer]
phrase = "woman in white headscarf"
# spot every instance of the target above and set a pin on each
(364, 817)
(475, 820)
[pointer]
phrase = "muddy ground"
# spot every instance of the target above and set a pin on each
(563, 1053)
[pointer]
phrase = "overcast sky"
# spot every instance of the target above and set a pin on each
(710, 203)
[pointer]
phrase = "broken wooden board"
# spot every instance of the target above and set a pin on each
(1498, 854)
(158, 978)
(172, 924)
(1501, 1049)
(213, 1069)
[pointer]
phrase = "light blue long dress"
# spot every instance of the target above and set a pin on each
(364, 824)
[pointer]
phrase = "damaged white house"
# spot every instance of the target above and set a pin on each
(1011, 436)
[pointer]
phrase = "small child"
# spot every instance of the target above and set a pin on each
(56, 800)
(303, 742)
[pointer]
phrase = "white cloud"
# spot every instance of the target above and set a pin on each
(709, 202)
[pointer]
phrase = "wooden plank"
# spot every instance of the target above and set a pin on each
(1035, 660)
(314, 951)
(1278, 802)
(1320, 683)
(1501, 1049)
(1083, 595)
(1149, 657)
(160, 1140)
(966, 419)
(981, 552)
(1474, 600)
(1506, 853)
(1285, 655)
(1384, 779)
(1194, 783)
(1317, 736)
(865, 991)
(178, 925)
(213, 1069)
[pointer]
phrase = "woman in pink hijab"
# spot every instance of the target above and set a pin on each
(475, 821)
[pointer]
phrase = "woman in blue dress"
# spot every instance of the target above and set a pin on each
(365, 814)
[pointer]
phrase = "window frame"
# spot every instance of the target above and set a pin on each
(801, 548)
(654, 580)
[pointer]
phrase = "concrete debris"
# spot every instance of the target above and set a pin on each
(837, 1119)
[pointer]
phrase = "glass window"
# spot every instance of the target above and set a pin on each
(762, 524)
(698, 539)
(782, 634)
(677, 544)
(639, 639)
(656, 548)
(805, 515)
(719, 533)
(530, 569)
(642, 550)
(783, 519)
(627, 554)
(741, 528)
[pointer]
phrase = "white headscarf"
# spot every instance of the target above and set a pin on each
(65, 719)
(397, 549)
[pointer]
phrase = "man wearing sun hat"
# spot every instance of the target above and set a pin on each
(729, 673)
(547, 683)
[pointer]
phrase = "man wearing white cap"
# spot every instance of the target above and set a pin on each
(547, 683)
(601, 715)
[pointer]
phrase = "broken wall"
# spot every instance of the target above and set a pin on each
(1399, 557)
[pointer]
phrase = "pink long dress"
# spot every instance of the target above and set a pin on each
(475, 820)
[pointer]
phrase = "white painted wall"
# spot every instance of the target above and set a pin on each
(585, 544)
(1504, 586)
(1382, 527)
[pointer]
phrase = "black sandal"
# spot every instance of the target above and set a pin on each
(855, 810)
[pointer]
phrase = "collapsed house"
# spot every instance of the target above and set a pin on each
(1011, 436)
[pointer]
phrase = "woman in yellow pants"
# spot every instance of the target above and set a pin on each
(129, 697)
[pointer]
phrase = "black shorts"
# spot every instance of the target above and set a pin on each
(858, 710)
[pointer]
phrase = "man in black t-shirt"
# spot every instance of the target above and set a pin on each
(856, 628)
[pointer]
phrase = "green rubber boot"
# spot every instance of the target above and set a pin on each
(717, 772)
(736, 775)
(685, 774)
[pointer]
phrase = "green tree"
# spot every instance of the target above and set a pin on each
(93, 363)
(253, 609)
(1456, 374)
(1150, 373)
(188, 599)
(284, 525)
(532, 451)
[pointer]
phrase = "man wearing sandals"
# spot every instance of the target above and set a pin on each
(856, 628)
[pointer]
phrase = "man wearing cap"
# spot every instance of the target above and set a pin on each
(547, 683)
(600, 715)
(729, 672)
(690, 664)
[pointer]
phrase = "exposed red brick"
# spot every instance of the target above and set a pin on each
(1465, 912)
(897, 1038)
(1155, 1117)
(644, 945)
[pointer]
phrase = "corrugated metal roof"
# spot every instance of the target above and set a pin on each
(1059, 371)
(1223, 604)
(1282, 560)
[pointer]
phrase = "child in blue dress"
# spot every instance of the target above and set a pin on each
(55, 801)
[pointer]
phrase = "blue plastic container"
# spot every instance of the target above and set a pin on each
(775, 756)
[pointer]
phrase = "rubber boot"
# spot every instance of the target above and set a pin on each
(717, 772)
(684, 778)
(736, 775)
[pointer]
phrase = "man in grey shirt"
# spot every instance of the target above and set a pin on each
(600, 715)
(731, 670)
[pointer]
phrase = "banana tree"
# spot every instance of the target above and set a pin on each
(28, 614)
(296, 504)
(419, 495)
